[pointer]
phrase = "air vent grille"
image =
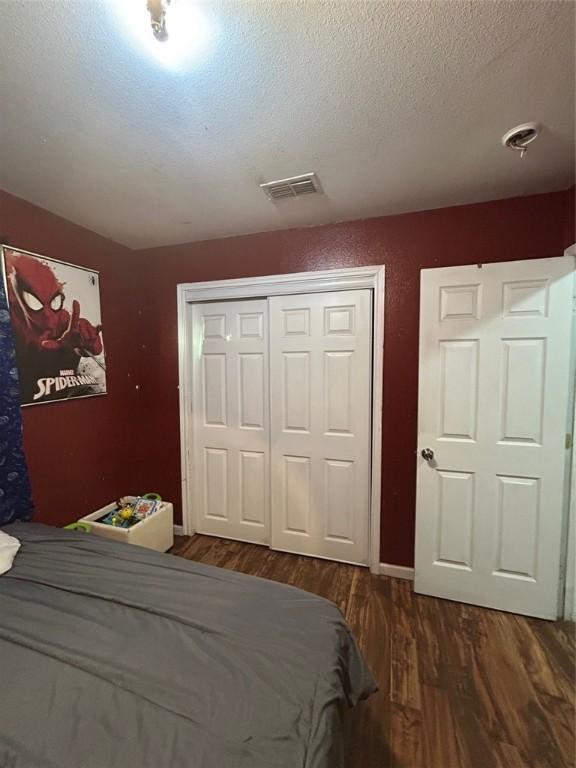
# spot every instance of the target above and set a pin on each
(296, 186)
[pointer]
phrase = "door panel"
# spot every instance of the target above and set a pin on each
(455, 516)
(215, 388)
(231, 421)
(216, 483)
(338, 393)
(493, 404)
(339, 482)
(252, 395)
(296, 492)
(253, 484)
(320, 363)
(295, 386)
(458, 389)
(524, 369)
(517, 526)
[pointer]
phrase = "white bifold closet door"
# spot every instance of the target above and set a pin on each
(281, 421)
(320, 395)
(231, 491)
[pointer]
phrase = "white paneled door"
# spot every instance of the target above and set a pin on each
(494, 397)
(320, 394)
(231, 488)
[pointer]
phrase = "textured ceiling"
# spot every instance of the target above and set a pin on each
(396, 105)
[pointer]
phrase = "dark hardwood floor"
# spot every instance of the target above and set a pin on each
(460, 686)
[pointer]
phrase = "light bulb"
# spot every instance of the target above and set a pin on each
(188, 31)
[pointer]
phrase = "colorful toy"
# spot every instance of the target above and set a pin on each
(131, 510)
(85, 527)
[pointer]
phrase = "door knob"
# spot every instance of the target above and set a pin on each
(427, 454)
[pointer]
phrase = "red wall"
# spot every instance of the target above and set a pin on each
(519, 228)
(86, 452)
(570, 218)
(80, 453)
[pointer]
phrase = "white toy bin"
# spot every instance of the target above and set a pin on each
(154, 532)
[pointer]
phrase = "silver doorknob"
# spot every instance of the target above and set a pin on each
(427, 454)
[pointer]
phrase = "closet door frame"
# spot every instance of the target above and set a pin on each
(353, 278)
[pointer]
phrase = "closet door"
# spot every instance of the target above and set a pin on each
(320, 394)
(230, 422)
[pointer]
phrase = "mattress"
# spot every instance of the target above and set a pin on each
(114, 656)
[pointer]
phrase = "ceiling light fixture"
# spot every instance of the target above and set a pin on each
(520, 137)
(176, 33)
(157, 10)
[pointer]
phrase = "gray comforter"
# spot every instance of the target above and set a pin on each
(113, 656)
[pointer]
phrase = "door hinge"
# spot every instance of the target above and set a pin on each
(568, 442)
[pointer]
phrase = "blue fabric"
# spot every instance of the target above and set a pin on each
(15, 493)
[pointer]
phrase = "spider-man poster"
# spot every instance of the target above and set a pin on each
(55, 314)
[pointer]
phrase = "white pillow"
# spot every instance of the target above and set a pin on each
(8, 548)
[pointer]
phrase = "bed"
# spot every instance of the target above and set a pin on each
(114, 656)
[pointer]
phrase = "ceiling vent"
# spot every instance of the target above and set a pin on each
(296, 186)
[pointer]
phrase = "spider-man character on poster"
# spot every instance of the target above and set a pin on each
(55, 314)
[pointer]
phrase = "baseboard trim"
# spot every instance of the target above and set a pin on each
(397, 571)
(178, 530)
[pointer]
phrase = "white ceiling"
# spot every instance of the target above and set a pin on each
(396, 105)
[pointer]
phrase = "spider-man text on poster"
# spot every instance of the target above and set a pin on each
(55, 314)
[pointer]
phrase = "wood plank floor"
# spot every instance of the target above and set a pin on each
(460, 686)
